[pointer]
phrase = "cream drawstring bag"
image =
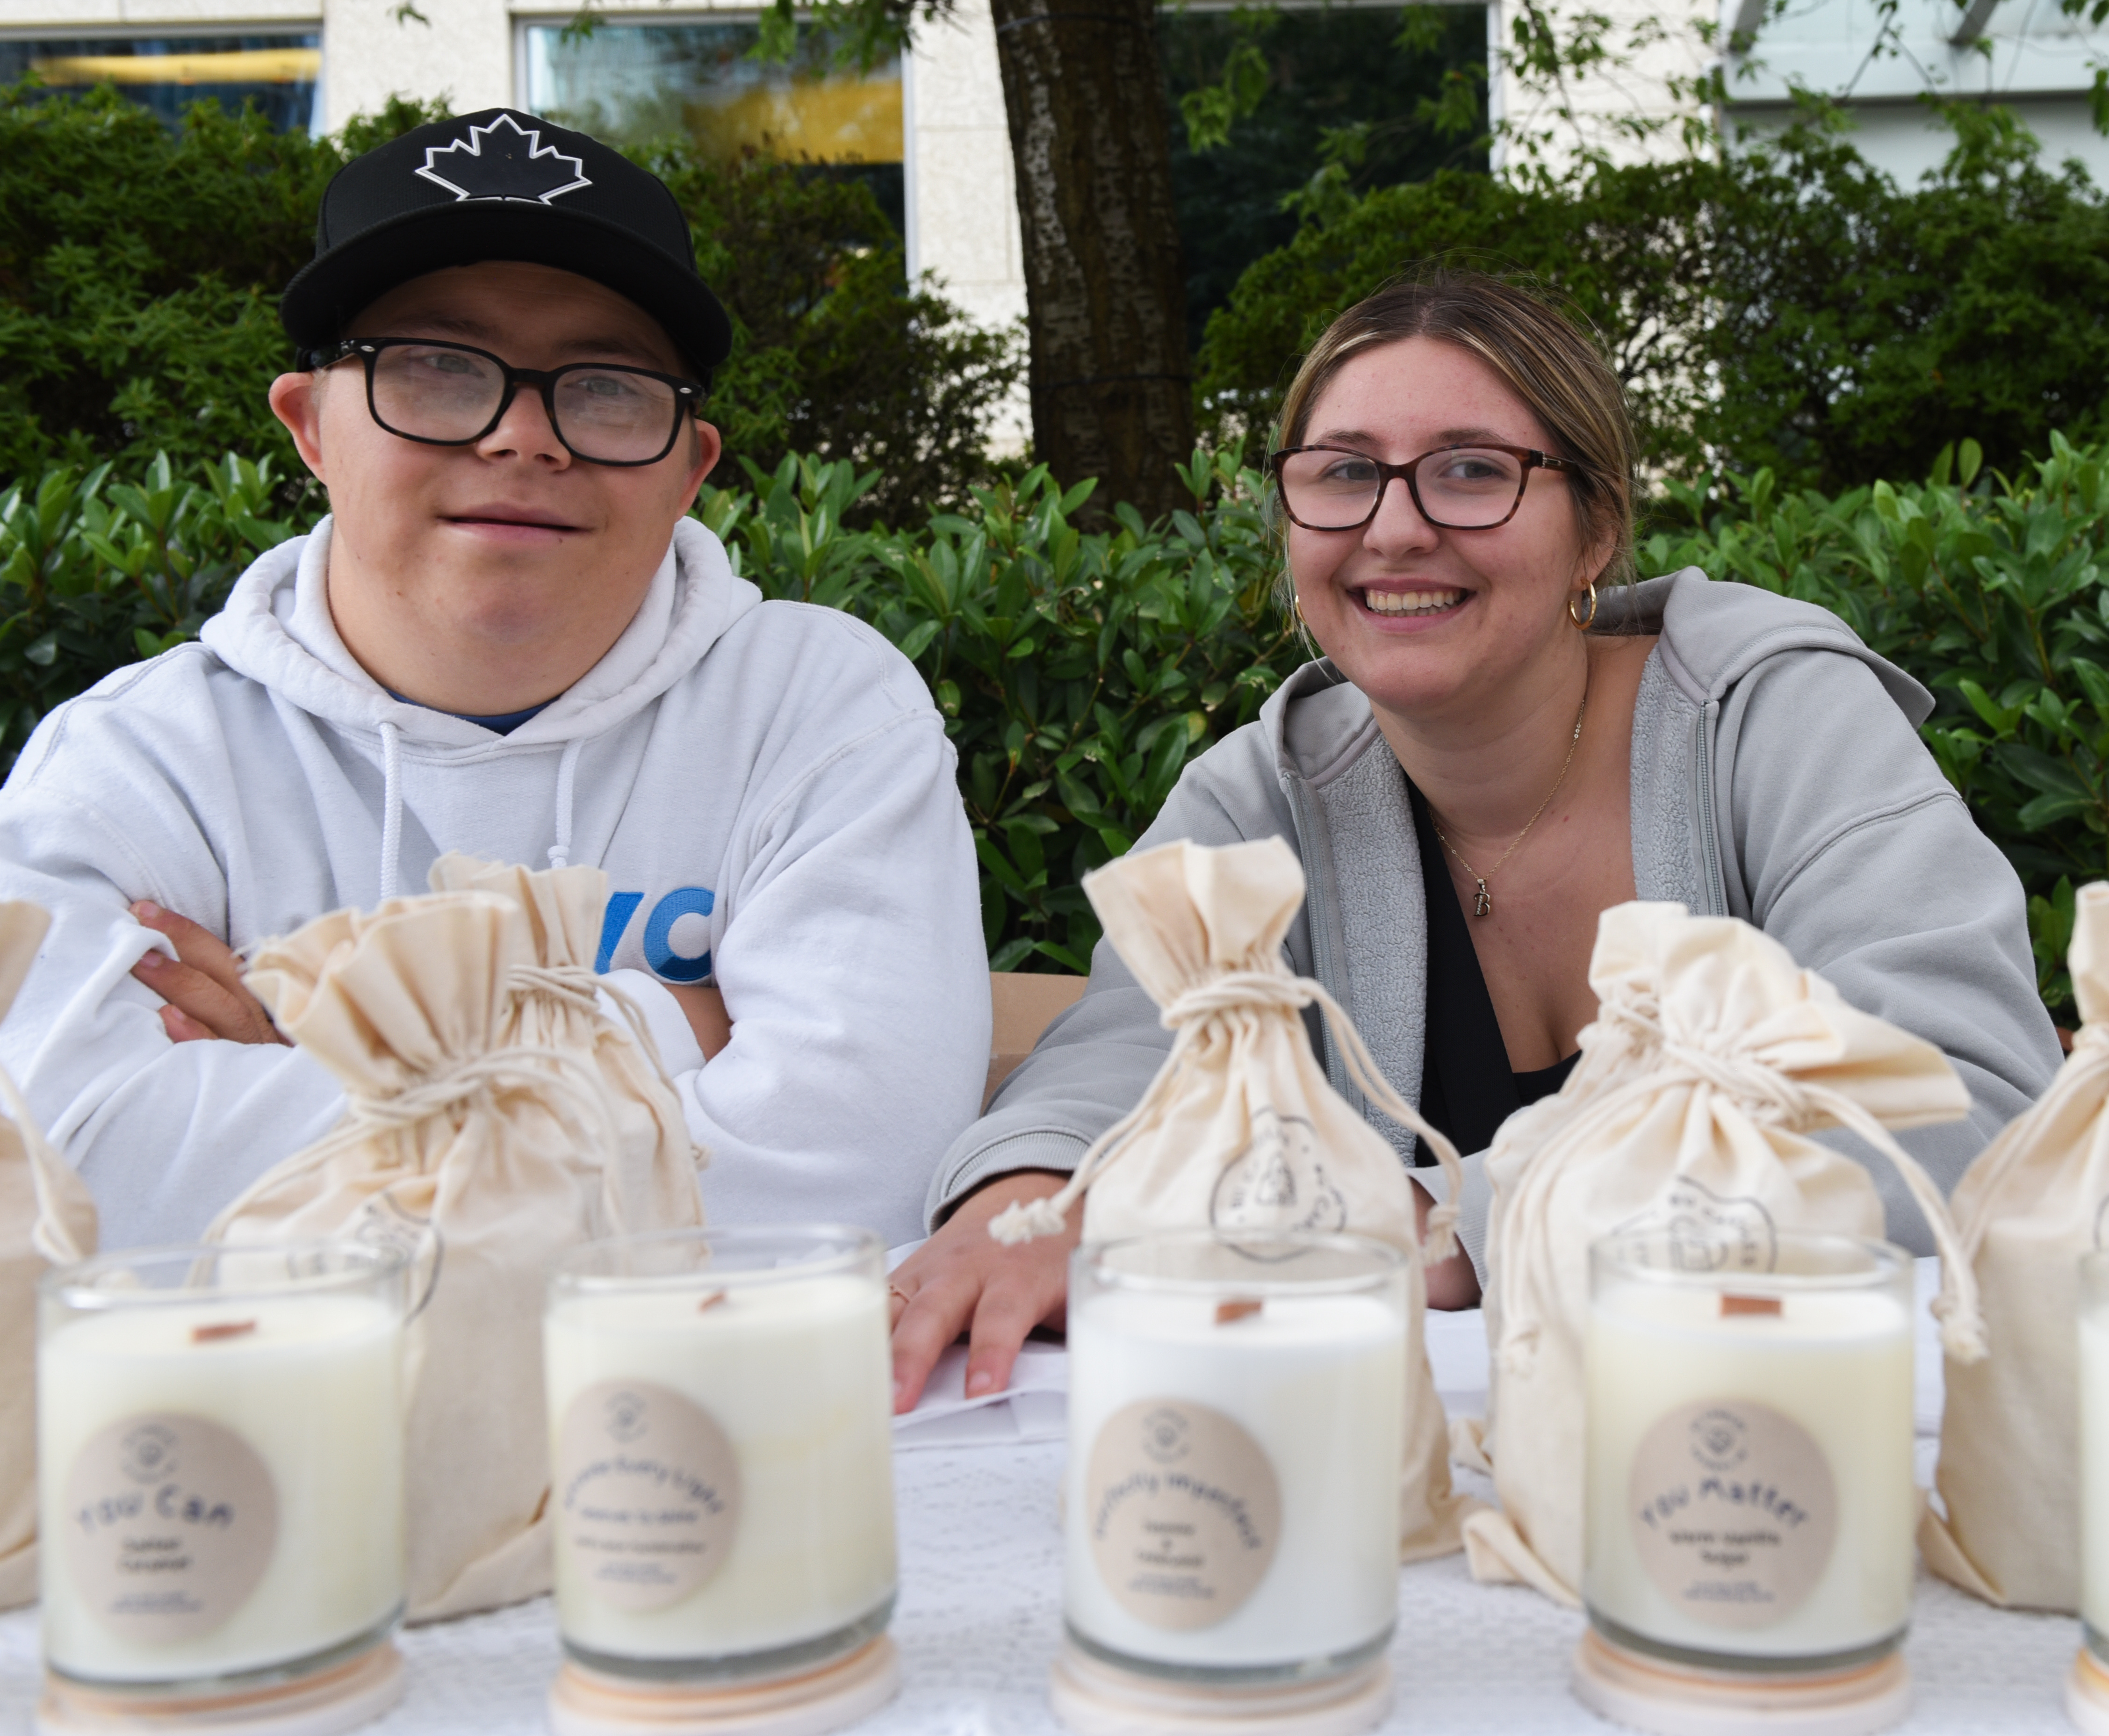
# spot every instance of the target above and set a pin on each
(1712, 1059)
(495, 1119)
(47, 1219)
(1239, 1129)
(2031, 1205)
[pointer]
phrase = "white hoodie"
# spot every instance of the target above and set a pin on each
(767, 785)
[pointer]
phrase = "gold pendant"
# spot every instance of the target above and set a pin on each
(1482, 901)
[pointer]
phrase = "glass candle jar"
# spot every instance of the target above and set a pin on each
(1236, 1423)
(2094, 1466)
(220, 1434)
(1750, 1496)
(721, 1428)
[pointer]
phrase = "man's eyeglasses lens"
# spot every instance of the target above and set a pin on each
(614, 414)
(1464, 488)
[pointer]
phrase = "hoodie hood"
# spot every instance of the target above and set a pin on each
(1712, 635)
(277, 629)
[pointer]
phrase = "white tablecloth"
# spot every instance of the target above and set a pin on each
(980, 1616)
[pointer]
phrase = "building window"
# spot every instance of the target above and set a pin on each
(277, 73)
(636, 84)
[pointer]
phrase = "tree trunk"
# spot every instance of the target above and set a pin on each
(1105, 292)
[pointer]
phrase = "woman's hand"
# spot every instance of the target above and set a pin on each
(201, 987)
(1452, 1283)
(963, 1276)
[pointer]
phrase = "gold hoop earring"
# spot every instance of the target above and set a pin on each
(1296, 605)
(1583, 621)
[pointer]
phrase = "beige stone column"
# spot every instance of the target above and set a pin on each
(962, 211)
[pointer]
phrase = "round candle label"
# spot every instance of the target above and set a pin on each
(647, 1494)
(173, 1520)
(1734, 1512)
(1184, 1512)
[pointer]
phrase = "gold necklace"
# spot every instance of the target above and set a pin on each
(1482, 901)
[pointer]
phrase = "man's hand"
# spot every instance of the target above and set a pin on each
(204, 992)
(962, 1275)
(705, 1011)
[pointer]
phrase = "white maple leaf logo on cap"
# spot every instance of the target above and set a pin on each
(535, 174)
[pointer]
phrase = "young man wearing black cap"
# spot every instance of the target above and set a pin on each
(507, 640)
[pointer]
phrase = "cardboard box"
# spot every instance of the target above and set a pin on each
(1025, 1004)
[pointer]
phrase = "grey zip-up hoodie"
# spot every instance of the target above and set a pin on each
(1778, 776)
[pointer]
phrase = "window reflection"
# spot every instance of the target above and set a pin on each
(277, 73)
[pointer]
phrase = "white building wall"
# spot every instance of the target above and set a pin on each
(964, 228)
(2027, 54)
(462, 51)
(26, 17)
(1633, 111)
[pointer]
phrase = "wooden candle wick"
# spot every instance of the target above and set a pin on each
(711, 1301)
(1237, 1308)
(1749, 1305)
(208, 1335)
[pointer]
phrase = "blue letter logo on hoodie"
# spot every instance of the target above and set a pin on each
(660, 955)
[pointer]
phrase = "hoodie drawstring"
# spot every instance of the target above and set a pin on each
(567, 769)
(392, 807)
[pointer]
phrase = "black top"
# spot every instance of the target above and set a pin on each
(1467, 1089)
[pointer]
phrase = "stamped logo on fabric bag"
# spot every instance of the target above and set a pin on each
(1278, 1182)
(1734, 1511)
(647, 1494)
(1707, 1233)
(172, 1521)
(1185, 1512)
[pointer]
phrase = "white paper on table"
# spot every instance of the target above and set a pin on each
(1034, 1407)
(1457, 1355)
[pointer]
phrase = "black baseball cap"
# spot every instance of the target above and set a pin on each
(502, 185)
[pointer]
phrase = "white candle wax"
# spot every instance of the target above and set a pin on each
(1750, 1483)
(2094, 1473)
(221, 1484)
(776, 1524)
(1312, 1387)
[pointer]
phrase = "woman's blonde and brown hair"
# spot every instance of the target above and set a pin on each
(1541, 353)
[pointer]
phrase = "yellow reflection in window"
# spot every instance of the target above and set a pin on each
(824, 119)
(230, 66)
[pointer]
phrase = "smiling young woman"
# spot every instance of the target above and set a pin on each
(1505, 736)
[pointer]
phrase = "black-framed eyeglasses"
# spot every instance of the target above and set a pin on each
(1455, 488)
(453, 395)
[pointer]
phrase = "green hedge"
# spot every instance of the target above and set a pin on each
(1080, 672)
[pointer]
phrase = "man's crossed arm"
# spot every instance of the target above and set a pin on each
(203, 994)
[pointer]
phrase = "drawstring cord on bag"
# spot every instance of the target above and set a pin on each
(578, 987)
(530, 1069)
(50, 1237)
(1768, 1095)
(1205, 1011)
